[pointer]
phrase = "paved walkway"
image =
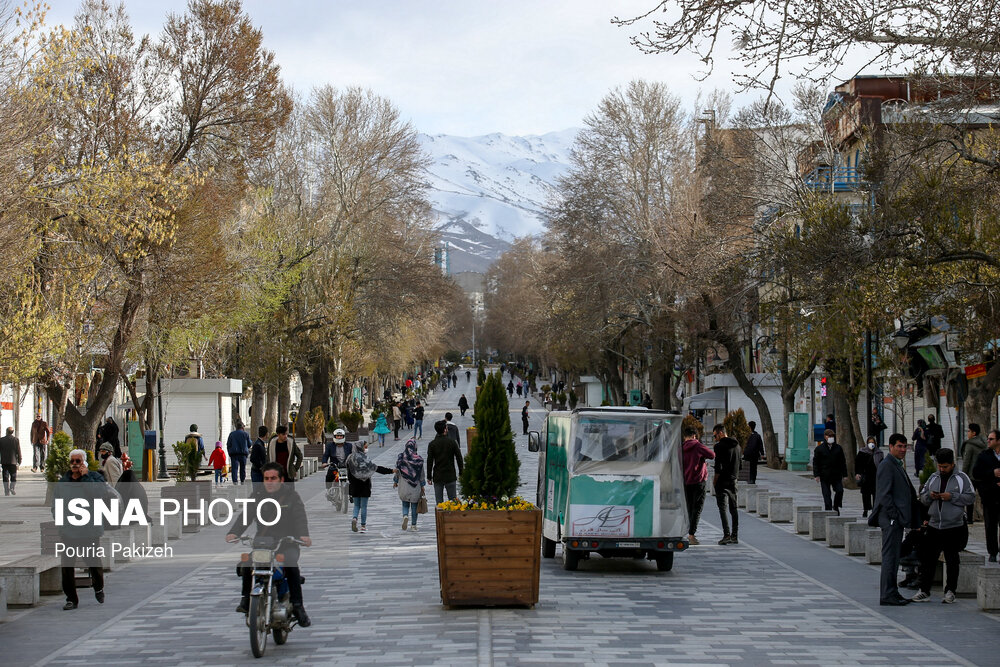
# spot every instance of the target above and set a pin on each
(773, 599)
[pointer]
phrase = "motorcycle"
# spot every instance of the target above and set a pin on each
(270, 610)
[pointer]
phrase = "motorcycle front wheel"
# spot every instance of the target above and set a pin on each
(280, 636)
(258, 624)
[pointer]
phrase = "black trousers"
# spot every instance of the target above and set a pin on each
(694, 494)
(396, 423)
(524, 422)
(991, 521)
(752, 468)
(725, 494)
(867, 498)
(9, 477)
(838, 494)
(293, 576)
(69, 581)
(950, 541)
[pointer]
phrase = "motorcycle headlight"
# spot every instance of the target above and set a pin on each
(261, 556)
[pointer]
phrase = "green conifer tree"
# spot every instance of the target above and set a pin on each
(491, 468)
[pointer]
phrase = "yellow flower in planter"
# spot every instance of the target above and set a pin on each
(505, 503)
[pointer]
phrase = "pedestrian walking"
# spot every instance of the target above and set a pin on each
(510, 388)
(468, 376)
(866, 463)
(258, 455)
(408, 415)
(935, 435)
(974, 445)
(39, 441)
(443, 457)
(986, 473)
(410, 481)
(359, 483)
(830, 424)
(517, 388)
(830, 469)
(418, 421)
(694, 457)
(79, 483)
(946, 494)
(238, 446)
(197, 440)
(919, 446)
(381, 429)
(284, 450)
(10, 459)
(894, 511)
(218, 462)
(452, 429)
(463, 404)
(753, 451)
(524, 417)
(109, 434)
(875, 424)
(397, 418)
(727, 469)
(111, 466)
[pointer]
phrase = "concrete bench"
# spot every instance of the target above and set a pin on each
(817, 524)
(752, 496)
(26, 579)
(741, 493)
(763, 500)
(856, 538)
(873, 546)
(988, 587)
(801, 516)
(779, 509)
(836, 537)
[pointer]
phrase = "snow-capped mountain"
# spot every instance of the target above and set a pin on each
(487, 190)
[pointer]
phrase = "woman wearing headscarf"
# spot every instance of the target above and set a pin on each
(410, 481)
(919, 446)
(359, 483)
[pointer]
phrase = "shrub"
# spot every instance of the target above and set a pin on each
(573, 399)
(691, 421)
(188, 460)
(481, 374)
(314, 422)
(546, 388)
(491, 468)
(737, 427)
(57, 458)
(929, 468)
(351, 419)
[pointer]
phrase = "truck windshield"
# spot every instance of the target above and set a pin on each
(631, 439)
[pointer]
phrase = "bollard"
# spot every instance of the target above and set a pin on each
(801, 517)
(779, 509)
(855, 538)
(172, 522)
(968, 573)
(836, 529)
(988, 588)
(752, 498)
(741, 493)
(873, 546)
(763, 499)
(817, 524)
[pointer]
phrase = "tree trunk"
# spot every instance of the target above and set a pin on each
(271, 415)
(659, 389)
(306, 377)
(616, 385)
(750, 389)
(257, 407)
(321, 388)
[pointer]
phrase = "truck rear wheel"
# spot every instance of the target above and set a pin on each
(571, 559)
(665, 561)
(548, 548)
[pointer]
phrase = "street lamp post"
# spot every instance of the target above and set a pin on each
(163, 452)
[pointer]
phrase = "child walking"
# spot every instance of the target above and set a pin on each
(218, 461)
(381, 428)
(359, 482)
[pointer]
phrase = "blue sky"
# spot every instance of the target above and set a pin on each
(456, 67)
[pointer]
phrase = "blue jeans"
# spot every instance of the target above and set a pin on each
(239, 468)
(411, 509)
(361, 505)
(381, 439)
(418, 428)
(218, 475)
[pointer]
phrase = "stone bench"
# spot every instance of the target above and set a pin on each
(836, 537)
(763, 501)
(801, 517)
(779, 509)
(125, 536)
(741, 493)
(25, 580)
(873, 546)
(752, 496)
(817, 524)
(988, 587)
(856, 538)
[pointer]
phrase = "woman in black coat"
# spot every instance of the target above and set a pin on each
(865, 467)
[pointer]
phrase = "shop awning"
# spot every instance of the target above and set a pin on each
(714, 399)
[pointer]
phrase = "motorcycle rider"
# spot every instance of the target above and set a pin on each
(292, 520)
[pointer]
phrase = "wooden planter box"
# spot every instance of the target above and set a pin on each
(489, 557)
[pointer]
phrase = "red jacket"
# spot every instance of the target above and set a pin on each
(218, 459)
(694, 454)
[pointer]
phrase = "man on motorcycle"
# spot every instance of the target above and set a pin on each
(291, 521)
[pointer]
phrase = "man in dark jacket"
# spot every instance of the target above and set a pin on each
(39, 440)
(894, 502)
(986, 474)
(754, 451)
(830, 469)
(238, 446)
(81, 542)
(291, 520)
(727, 468)
(935, 435)
(258, 455)
(109, 434)
(452, 429)
(443, 455)
(10, 458)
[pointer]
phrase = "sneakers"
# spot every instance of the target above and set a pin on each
(921, 597)
(413, 529)
(69, 605)
(354, 525)
(692, 540)
(99, 595)
(993, 558)
(406, 522)
(300, 613)
(364, 529)
(244, 606)
(949, 598)
(725, 540)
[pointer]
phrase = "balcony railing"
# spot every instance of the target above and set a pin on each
(833, 179)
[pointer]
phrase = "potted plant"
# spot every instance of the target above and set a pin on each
(351, 420)
(573, 399)
(489, 544)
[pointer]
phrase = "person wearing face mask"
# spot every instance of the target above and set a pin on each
(359, 483)
(865, 467)
(110, 467)
(830, 469)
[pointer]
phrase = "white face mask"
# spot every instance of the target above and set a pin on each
(830, 440)
(871, 445)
